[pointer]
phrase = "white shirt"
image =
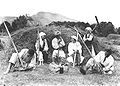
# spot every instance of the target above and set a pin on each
(100, 58)
(89, 37)
(55, 44)
(72, 47)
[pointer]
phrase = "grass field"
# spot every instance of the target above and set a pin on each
(41, 76)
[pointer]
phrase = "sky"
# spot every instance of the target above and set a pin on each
(81, 10)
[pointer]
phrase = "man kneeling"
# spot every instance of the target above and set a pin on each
(102, 63)
(25, 56)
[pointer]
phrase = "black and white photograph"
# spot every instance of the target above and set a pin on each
(59, 43)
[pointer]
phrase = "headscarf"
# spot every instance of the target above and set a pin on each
(40, 38)
(74, 37)
(88, 29)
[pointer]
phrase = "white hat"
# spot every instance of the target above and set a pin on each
(42, 34)
(74, 37)
(88, 28)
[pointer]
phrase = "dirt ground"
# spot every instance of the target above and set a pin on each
(41, 76)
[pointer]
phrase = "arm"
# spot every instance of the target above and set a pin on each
(84, 38)
(79, 48)
(55, 43)
(99, 56)
(70, 50)
(111, 62)
(90, 38)
(46, 46)
(62, 43)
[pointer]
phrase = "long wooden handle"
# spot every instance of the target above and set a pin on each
(13, 43)
(74, 59)
(83, 42)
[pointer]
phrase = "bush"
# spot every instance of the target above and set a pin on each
(2, 27)
(105, 29)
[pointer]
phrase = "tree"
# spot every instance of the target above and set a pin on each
(2, 27)
(105, 29)
(19, 22)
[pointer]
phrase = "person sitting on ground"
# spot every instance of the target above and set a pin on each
(75, 49)
(103, 62)
(58, 43)
(59, 63)
(26, 56)
(42, 48)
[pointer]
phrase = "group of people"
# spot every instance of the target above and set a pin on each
(28, 58)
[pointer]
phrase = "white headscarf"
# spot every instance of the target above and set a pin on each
(74, 37)
(40, 36)
(88, 28)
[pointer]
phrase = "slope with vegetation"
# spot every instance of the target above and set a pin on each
(24, 35)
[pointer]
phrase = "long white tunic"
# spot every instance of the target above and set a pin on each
(56, 46)
(72, 48)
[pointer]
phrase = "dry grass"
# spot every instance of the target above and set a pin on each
(42, 76)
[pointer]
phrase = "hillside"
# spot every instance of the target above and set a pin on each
(41, 76)
(45, 18)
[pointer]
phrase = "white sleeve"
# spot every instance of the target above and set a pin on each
(46, 46)
(99, 56)
(84, 38)
(55, 43)
(79, 48)
(70, 49)
(22, 52)
(62, 43)
(90, 37)
(111, 62)
(36, 45)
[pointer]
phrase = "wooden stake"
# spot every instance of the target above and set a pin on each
(74, 59)
(13, 44)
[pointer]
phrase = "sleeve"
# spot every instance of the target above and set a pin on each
(62, 43)
(55, 44)
(36, 45)
(98, 56)
(84, 38)
(23, 52)
(90, 38)
(46, 46)
(79, 48)
(111, 62)
(70, 49)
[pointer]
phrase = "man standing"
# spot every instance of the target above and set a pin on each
(88, 39)
(27, 57)
(42, 48)
(74, 50)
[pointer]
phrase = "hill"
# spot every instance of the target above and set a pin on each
(45, 18)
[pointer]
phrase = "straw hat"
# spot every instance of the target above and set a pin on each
(88, 28)
(42, 34)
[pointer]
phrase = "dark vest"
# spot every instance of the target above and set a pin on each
(42, 48)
